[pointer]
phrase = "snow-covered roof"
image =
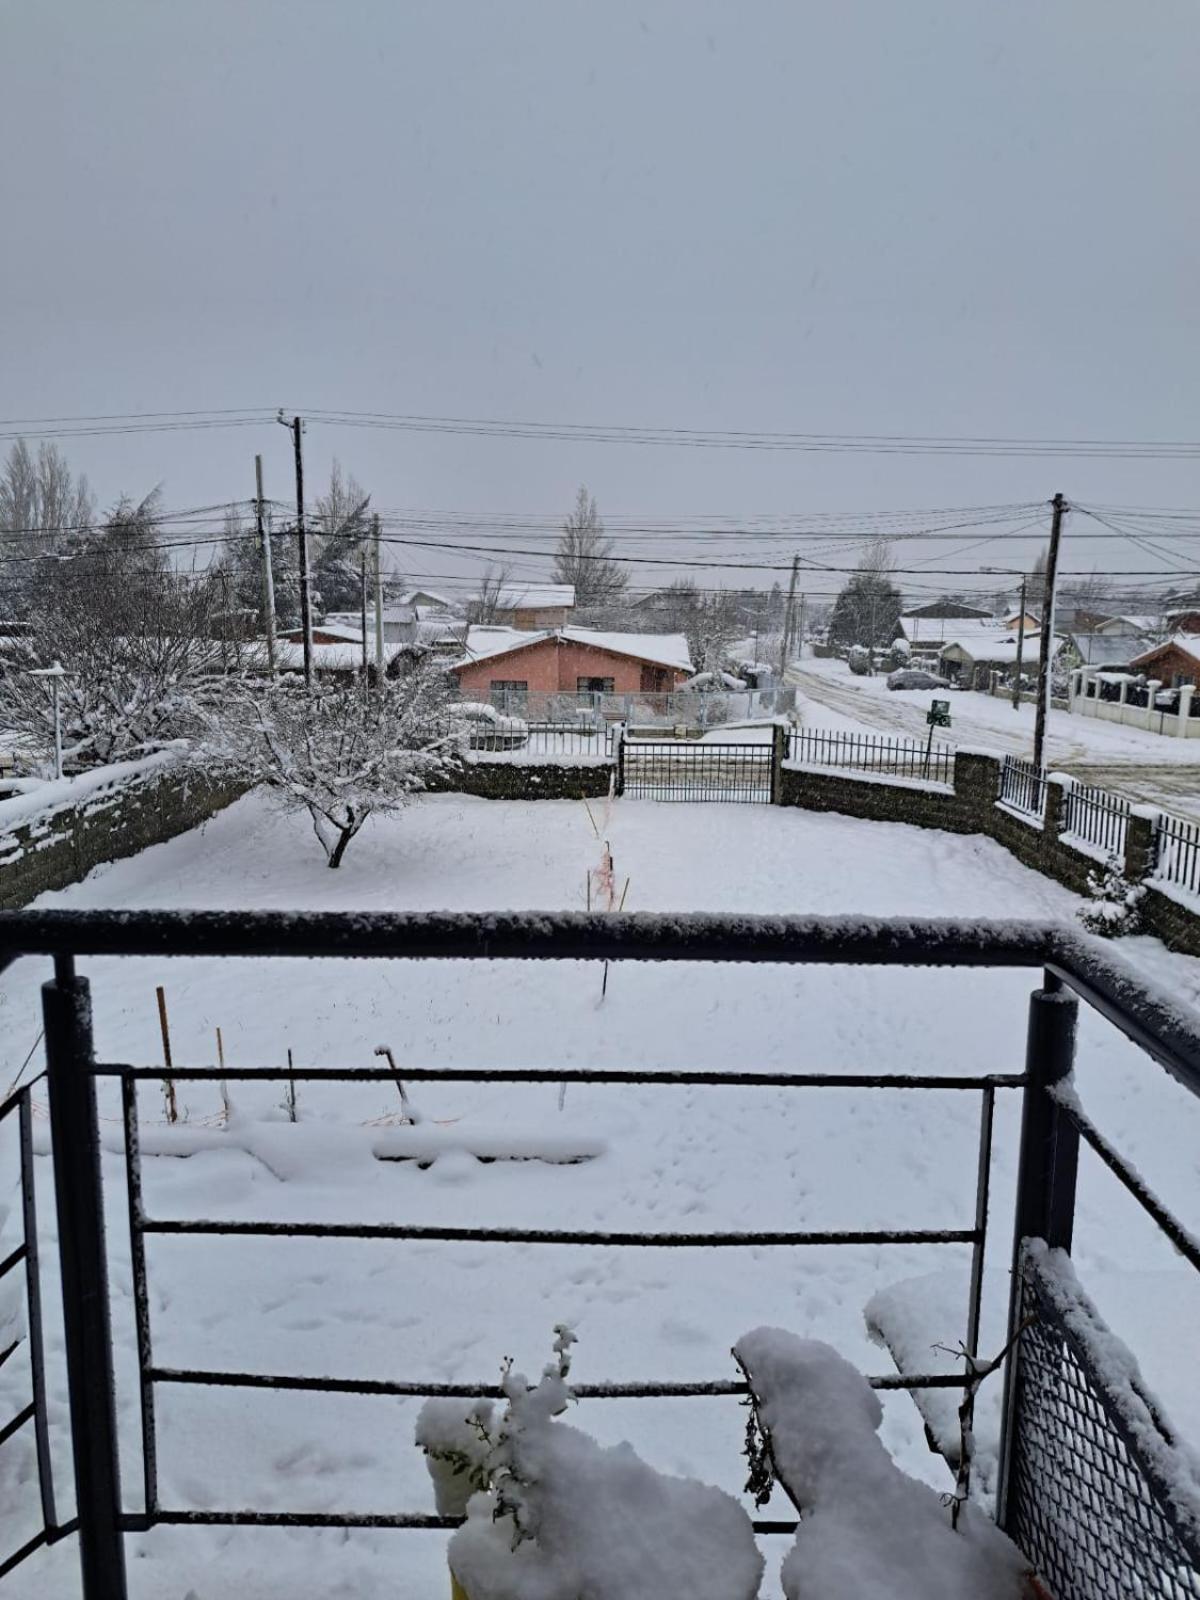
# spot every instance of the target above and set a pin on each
(1187, 643)
(1104, 649)
(922, 630)
(662, 649)
(532, 596)
(422, 597)
(1116, 625)
(999, 645)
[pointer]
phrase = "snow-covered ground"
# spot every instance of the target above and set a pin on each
(1144, 766)
(697, 1159)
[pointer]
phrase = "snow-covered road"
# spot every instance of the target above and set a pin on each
(1142, 766)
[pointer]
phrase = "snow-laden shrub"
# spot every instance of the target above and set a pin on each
(859, 660)
(1115, 908)
(900, 655)
(563, 1516)
(867, 1530)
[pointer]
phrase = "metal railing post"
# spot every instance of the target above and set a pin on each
(1046, 1170)
(87, 1329)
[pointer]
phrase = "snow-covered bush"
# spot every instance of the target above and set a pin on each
(340, 752)
(859, 660)
(1115, 908)
(900, 654)
(867, 1531)
(564, 1517)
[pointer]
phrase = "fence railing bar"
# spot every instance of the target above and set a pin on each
(33, 1314)
(26, 1550)
(141, 1298)
(982, 1181)
(385, 1387)
(354, 1519)
(17, 1422)
(13, 1259)
(551, 1236)
(599, 1075)
(1184, 1241)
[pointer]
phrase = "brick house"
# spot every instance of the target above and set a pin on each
(1174, 663)
(504, 661)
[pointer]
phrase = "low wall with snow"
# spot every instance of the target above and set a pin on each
(543, 778)
(54, 835)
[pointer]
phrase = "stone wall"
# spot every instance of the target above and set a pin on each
(529, 780)
(60, 845)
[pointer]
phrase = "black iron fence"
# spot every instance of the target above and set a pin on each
(1097, 816)
(1023, 786)
(1042, 1504)
(692, 769)
(1177, 853)
(867, 752)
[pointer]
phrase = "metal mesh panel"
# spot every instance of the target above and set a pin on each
(1083, 1506)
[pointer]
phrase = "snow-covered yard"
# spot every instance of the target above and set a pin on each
(684, 1158)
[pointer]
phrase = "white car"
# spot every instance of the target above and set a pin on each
(489, 729)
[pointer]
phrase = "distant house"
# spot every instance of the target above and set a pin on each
(1100, 650)
(1136, 627)
(1186, 620)
(1175, 662)
(534, 605)
(500, 662)
(936, 622)
(423, 600)
(972, 652)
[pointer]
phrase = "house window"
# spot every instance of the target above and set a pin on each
(508, 694)
(594, 685)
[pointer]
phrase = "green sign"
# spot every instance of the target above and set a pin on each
(938, 715)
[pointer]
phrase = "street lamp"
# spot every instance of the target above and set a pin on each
(1012, 572)
(56, 672)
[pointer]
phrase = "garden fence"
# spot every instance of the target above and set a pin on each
(1065, 1403)
(861, 752)
(1023, 786)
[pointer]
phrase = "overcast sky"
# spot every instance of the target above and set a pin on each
(865, 216)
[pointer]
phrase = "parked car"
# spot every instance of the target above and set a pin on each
(489, 729)
(915, 678)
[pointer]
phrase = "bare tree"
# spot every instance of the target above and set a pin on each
(42, 507)
(337, 752)
(709, 622)
(584, 557)
(484, 605)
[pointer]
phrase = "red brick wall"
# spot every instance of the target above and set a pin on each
(555, 666)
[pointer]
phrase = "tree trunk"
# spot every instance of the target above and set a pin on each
(339, 849)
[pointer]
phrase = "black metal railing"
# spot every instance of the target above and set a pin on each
(868, 752)
(1096, 816)
(1177, 853)
(1042, 1516)
(692, 769)
(1023, 786)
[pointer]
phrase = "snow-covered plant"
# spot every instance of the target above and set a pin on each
(562, 1516)
(339, 752)
(141, 648)
(859, 660)
(1115, 908)
(457, 1448)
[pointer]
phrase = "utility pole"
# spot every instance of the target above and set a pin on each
(1043, 700)
(787, 619)
(264, 544)
(1016, 698)
(362, 562)
(297, 428)
(800, 629)
(378, 542)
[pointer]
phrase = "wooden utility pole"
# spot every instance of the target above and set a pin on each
(800, 627)
(378, 542)
(788, 618)
(264, 544)
(1043, 700)
(1020, 648)
(296, 425)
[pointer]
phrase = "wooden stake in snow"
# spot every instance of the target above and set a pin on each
(168, 1082)
(221, 1084)
(290, 1102)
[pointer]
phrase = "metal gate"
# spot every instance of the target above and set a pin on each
(680, 769)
